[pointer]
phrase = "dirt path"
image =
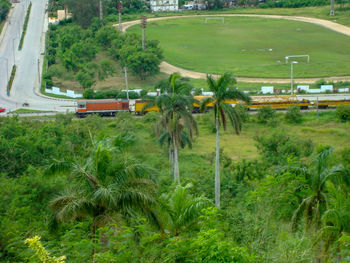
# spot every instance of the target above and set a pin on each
(169, 69)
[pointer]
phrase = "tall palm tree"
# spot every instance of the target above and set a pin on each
(176, 124)
(102, 186)
(223, 89)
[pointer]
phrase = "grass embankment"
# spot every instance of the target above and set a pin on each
(12, 77)
(29, 111)
(251, 47)
(2, 24)
(325, 131)
(25, 25)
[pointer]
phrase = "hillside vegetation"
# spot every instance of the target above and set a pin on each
(128, 209)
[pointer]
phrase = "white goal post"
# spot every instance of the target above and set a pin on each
(298, 56)
(215, 18)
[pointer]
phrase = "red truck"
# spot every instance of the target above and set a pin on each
(107, 107)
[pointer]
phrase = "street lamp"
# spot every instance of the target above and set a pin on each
(7, 69)
(291, 76)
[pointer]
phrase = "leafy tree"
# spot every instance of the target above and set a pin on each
(102, 186)
(4, 9)
(223, 89)
(84, 11)
(105, 35)
(85, 79)
(267, 115)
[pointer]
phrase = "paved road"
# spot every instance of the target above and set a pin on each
(26, 83)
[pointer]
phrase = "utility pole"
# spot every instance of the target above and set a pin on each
(291, 76)
(317, 106)
(13, 49)
(143, 26)
(120, 10)
(126, 83)
(39, 72)
(332, 8)
(101, 10)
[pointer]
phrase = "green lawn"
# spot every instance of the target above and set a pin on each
(326, 131)
(251, 47)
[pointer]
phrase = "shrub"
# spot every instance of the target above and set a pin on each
(343, 113)
(132, 95)
(279, 146)
(267, 115)
(151, 117)
(242, 112)
(293, 115)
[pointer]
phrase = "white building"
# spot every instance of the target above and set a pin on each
(164, 5)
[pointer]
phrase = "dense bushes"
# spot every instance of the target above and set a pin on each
(293, 3)
(293, 115)
(343, 113)
(4, 9)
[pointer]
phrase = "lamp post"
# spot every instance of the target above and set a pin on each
(291, 76)
(7, 69)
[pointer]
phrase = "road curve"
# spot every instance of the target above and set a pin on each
(26, 83)
(169, 69)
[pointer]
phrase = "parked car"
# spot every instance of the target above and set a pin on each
(2, 109)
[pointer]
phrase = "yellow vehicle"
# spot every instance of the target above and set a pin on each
(277, 102)
(323, 104)
(139, 104)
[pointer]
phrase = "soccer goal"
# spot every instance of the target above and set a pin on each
(215, 18)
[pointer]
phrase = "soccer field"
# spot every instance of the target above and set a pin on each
(251, 47)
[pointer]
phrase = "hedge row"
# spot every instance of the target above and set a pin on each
(9, 84)
(25, 26)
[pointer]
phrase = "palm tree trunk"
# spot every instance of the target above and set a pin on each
(93, 233)
(176, 162)
(171, 160)
(332, 8)
(217, 166)
(101, 10)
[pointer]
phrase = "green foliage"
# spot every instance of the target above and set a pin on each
(279, 146)
(12, 77)
(41, 253)
(83, 11)
(343, 113)
(25, 25)
(293, 115)
(268, 116)
(4, 9)
(292, 3)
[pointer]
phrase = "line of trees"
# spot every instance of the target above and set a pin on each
(76, 48)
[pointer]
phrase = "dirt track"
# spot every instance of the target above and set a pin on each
(168, 68)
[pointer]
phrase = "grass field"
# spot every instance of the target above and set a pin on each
(325, 131)
(251, 47)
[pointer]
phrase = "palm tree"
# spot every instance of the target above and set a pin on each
(102, 186)
(184, 209)
(336, 220)
(317, 175)
(223, 89)
(176, 124)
